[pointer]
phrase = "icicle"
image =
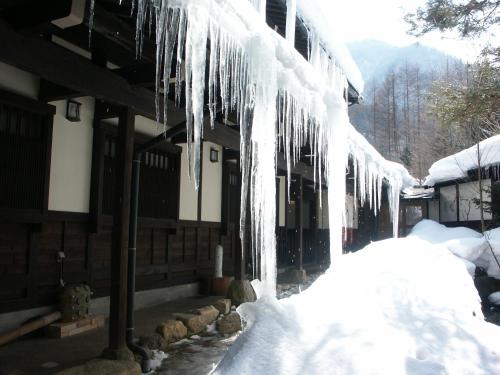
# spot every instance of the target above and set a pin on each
(196, 44)
(260, 5)
(291, 14)
(253, 79)
(91, 19)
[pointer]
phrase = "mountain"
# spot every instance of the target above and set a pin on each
(376, 58)
(394, 114)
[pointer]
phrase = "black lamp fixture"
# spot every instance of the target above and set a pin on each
(73, 111)
(214, 155)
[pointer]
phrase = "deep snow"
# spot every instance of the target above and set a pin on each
(399, 306)
(465, 243)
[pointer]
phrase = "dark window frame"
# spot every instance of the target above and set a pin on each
(101, 197)
(43, 114)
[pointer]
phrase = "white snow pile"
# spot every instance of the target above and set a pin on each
(494, 298)
(467, 244)
(157, 357)
(399, 306)
(456, 166)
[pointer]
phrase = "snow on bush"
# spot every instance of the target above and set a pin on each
(399, 306)
(464, 243)
(433, 232)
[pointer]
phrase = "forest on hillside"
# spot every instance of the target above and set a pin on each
(412, 110)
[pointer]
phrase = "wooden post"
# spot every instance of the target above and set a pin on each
(119, 243)
(299, 221)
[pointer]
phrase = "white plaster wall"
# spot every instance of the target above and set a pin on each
(71, 158)
(351, 214)
(434, 210)
(448, 203)
(149, 127)
(188, 200)
(282, 201)
(19, 81)
(323, 210)
(469, 191)
(211, 188)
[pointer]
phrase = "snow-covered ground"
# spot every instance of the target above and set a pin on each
(399, 306)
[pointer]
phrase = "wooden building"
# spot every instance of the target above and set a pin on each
(454, 188)
(71, 113)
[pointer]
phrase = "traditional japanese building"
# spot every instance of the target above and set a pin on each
(463, 183)
(74, 106)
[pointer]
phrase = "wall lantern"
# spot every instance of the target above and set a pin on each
(214, 155)
(73, 111)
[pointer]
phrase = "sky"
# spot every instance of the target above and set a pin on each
(383, 20)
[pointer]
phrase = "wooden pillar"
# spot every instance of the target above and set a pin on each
(299, 221)
(242, 245)
(119, 243)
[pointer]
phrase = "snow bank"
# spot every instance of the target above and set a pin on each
(387, 309)
(464, 243)
(456, 166)
(430, 231)
(494, 298)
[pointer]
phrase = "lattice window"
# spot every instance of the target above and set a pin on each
(158, 185)
(25, 141)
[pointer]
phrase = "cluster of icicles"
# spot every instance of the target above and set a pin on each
(282, 101)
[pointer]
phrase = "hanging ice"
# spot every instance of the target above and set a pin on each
(258, 74)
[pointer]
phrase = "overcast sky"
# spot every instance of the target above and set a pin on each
(383, 20)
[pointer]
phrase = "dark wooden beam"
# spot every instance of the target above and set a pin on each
(221, 134)
(79, 36)
(50, 92)
(119, 242)
(112, 27)
(65, 68)
(299, 221)
(200, 184)
(35, 16)
(142, 74)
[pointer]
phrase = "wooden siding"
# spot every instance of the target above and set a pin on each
(167, 254)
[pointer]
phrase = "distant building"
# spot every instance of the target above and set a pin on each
(453, 194)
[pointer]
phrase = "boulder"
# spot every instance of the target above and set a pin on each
(223, 305)
(229, 324)
(172, 330)
(198, 319)
(155, 341)
(104, 367)
(208, 314)
(193, 322)
(241, 291)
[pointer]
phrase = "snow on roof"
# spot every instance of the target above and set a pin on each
(319, 18)
(418, 192)
(456, 166)
(359, 145)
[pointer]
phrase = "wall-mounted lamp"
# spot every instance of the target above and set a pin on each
(73, 111)
(214, 155)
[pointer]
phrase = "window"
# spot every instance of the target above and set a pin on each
(25, 142)
(413, 214)
(158, 184)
